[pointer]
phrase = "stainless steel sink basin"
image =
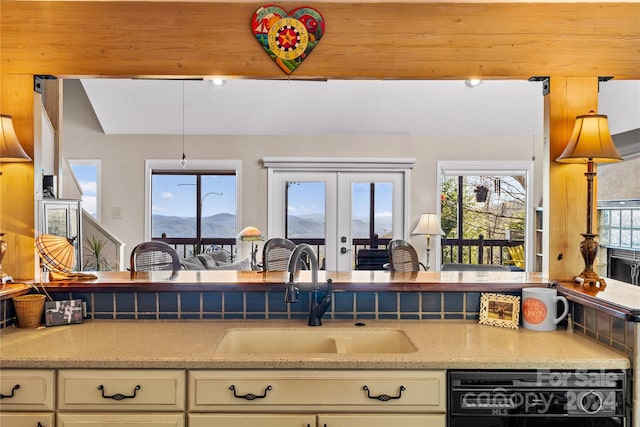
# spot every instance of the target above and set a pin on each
(315, 340)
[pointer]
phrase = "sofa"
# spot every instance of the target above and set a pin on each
(218, 260)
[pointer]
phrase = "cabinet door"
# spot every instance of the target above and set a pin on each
(26, 419)
(381, 420)
(252, 420)
(115, 419)
(26, 390)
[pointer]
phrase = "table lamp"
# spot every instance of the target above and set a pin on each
(10, 152)
(590, 143)
(58, 256)
(251, 234)
(429, 225)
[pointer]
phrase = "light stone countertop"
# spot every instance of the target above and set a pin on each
(185, 344)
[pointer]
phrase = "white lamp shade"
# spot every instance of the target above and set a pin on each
(429, 224)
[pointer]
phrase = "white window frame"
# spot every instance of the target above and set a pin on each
(192, 165)
(485, 168)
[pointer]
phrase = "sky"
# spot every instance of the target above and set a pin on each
(175, 195)
(86, 174)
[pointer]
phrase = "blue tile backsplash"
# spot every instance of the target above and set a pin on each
(268, 305)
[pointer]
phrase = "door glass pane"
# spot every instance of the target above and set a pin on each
(306, 214)
(360, 209)
(173, 206)
(218, 206)
(74, 221)
(57, 221)
(383, 210)
(361, 193)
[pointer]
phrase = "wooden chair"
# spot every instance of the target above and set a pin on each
(403, 257)
(276, 253)
(517, 255)
(154, 256)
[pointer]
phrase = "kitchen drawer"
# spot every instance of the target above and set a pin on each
(312, 390)
(32, 390)
(382, 420)
(27, 419)
(252, 420)
(125, 390)
(115, 419)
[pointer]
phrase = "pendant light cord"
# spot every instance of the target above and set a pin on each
(183, 162)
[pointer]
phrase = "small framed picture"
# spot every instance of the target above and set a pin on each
(500, 310)
(63, 312)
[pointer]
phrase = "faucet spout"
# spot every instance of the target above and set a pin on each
(317, 307)
(294, 261)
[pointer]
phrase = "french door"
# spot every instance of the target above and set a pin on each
(338, 207)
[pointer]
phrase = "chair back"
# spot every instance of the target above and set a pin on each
(402, 256)
(154, 256)
(517, 255)
(276, 253)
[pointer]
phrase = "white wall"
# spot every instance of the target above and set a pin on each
(123, 159)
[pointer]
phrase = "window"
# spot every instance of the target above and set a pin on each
(87, 175)
(194, 207)
(484, 208)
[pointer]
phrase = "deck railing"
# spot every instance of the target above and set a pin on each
(478, 251)
(187, 247)
(465, 251)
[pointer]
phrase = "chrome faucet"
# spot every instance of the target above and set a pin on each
(317, 307)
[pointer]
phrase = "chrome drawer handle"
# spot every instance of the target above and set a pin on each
(118, 396)
(249, 396)
(384, 397)
(13, 390)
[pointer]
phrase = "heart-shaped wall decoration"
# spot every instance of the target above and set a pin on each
(288, 38)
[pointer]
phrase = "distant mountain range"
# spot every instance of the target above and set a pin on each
(224, 225)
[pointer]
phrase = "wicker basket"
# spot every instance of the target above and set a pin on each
(29, 309)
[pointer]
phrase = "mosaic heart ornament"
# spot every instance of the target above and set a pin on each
(288, 38)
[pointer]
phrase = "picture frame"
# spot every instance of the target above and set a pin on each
(500, 310)
(63, 312)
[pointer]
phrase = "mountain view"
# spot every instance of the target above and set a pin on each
(224, 225)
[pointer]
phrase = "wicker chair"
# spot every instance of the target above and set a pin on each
(403, 257)
(275, 254)
(154, 256)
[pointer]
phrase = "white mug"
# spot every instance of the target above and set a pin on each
(540, 309)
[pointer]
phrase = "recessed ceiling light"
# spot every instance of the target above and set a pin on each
(217, 81)
(473, 82)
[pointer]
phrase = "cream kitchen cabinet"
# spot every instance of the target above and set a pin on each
(27, 397)
(116, 419)
(335, 398)
(27, 419)
(122, 398)
(252, 420)
(381, 420)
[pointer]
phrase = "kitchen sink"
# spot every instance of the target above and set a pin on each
(314, 340)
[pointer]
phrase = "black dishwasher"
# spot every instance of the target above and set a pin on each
(536, 398)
